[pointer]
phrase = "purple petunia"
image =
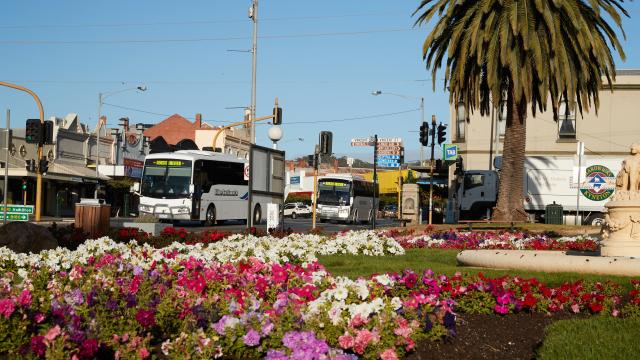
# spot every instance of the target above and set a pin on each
(252, 338)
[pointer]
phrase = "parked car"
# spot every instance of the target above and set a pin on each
(390, 211)
(297, 209)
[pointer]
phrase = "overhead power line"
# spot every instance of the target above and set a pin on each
(204, 39)
(181, 23)
(363, 117)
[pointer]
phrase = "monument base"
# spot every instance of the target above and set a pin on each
(621, 232)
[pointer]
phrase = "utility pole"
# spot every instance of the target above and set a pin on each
(316, 160)
(253, 14)
(38, 172)
(375, 182)
(433, 141)
(421, 121)
(6, 164)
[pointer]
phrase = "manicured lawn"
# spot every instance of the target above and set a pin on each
(594, 338)
(441, 262)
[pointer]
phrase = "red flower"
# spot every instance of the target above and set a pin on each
(595, 307)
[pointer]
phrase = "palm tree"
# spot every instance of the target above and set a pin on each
(530, 53)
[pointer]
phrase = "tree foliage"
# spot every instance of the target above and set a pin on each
(547, 49)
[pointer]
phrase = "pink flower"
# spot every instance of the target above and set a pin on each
(52, 334)
(501, 309)
(24, 299)
(575, 308)
(144, 353)
(363, 338)
(346, 341)
(403, 331)
(389, 354)
(7, 307)
(358, 321)
(39, 318)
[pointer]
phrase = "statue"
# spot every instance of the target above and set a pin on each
(621, 231)
(628, 178)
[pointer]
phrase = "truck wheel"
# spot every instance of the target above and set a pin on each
(595, 220)
(210, 219)
(257, 215)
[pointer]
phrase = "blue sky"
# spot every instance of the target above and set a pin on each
(322, 59)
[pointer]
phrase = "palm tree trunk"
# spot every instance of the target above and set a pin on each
(510, 205)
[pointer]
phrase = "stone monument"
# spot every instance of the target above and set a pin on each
(621, 231)
(411, 203)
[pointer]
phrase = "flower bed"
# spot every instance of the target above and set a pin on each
(490, 240)
(250, 297)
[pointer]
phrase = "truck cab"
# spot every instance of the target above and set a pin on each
(477, 191)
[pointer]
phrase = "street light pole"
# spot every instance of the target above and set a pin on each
(253, 14)
(101, 97)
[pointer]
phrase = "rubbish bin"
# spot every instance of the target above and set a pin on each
(92, 216)
(553, 214)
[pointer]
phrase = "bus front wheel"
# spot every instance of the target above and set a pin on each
(257, 215)
(211, 216)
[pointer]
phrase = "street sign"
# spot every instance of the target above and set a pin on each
(450, 152)
(15, 217)
(294, 180)
(390, 157)
(17, 209)
(361, 142)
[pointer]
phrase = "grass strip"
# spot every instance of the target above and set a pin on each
(592, 338)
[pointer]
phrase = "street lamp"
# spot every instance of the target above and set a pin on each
(101, 97)
(380, 92)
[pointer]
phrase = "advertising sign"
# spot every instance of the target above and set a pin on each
(599, 183)
(450, 152)
(133, 168)
(294, 180)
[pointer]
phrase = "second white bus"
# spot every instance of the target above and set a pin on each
(345, 198)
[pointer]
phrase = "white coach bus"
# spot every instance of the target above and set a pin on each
(195, 186)
(345, 198)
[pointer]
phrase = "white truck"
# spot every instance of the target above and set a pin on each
(547, 180)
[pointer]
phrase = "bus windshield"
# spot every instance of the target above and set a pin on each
(334, 192)
(166, 178)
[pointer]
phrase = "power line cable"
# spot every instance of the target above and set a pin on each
(288, 123)
(353, 118)
(192, 22)
(204, 39)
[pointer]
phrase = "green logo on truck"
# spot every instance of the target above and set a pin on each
(598, 184)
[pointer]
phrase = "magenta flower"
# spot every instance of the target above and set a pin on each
(146, 318)
(252, 338)
(88, 348)
(501, 309)
(24, 299)
(38, 346)
(7, 307)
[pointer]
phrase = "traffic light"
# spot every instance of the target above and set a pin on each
(24, 184)
(43, 166)
(424, 134)
(459, 166)
(325, 142)
(442, 133)
(312, 160)
(33, 132)
(277, 116)
(48, 132)
(30, 165)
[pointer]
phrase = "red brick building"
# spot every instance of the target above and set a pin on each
(175, 132)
